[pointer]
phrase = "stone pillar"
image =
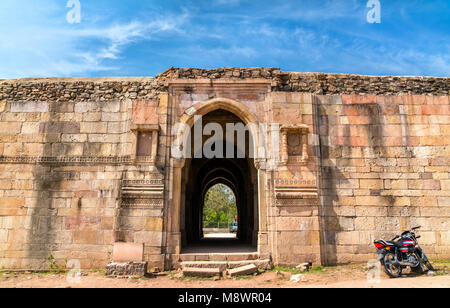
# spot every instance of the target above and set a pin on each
(284, 156)
(263, 239)
(174, 230)
(305, 155)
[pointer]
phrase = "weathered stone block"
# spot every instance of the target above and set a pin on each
(145, 112)
(243, 270)
(371, 184)
(137, 269)
(94, 149)
(10, 128)
(33, 149)
(12, 202)
(93, 127)
(59, 127)
(128, 252)
(29, 107)
(73, 138)
(91, 116)
(201, 272)
(87, 237)
(30, 128)
(154, 224)
(370, 211)
(151, 238)
(111, 117)
(2, 105)
(424, 184)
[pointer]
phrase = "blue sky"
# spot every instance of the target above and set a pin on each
(145, 37)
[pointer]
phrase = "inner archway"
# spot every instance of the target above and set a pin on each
(201, 173)
(219, 212)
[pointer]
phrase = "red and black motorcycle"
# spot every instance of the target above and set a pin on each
(395, 255)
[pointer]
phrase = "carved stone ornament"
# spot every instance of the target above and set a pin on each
(294, 144)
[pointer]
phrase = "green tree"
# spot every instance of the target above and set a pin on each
(219, 207)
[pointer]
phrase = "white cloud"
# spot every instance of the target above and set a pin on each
(46, 45)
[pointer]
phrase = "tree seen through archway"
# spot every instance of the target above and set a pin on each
(220, 208)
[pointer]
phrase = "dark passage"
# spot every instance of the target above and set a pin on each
(199, 175)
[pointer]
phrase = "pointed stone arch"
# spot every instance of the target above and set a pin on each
(205, 107)
(248, 202)
(187, 120)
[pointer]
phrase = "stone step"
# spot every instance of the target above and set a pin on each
(243, 270)
(218, 256)
(263, 264)
(201, 272)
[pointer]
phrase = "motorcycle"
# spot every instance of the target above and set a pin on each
(395, 255)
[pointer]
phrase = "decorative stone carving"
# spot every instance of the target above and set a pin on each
(143, 193)
(294, 144)
(294, 192)
(67, 160)
(145, 143)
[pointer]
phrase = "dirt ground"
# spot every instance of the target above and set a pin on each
(347, 276)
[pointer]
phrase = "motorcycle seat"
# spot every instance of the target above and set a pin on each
(395, 244)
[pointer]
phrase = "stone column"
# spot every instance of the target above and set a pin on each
(284, 156)
(305, 155)
(263, 240)
(174, 230)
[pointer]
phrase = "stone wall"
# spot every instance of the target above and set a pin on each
(378, 154)
(62, 165)
(293, 221)
(385, 163)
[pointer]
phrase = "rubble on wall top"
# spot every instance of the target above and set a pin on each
(114, 88)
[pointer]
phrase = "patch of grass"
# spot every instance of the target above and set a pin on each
(283, 276)
(441, 261)
(195, 278)
(49, 272)
(239, 277)
(441, 272)
(317, 269)
(54, 267)
(441, 268)
(313, 270)
(291, 270)
(141, 278)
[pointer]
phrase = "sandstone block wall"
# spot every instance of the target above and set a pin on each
(61, 170)
(378, 156)
(385, 163)
(293, 223)
(60, 177)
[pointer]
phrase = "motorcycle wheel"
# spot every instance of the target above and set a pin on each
(393, 271)
(427, 263)
(419, 269)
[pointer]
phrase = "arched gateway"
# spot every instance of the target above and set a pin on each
(267, 179)
(232, 163)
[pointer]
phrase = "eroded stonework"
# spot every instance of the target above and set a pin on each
(86, 163)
